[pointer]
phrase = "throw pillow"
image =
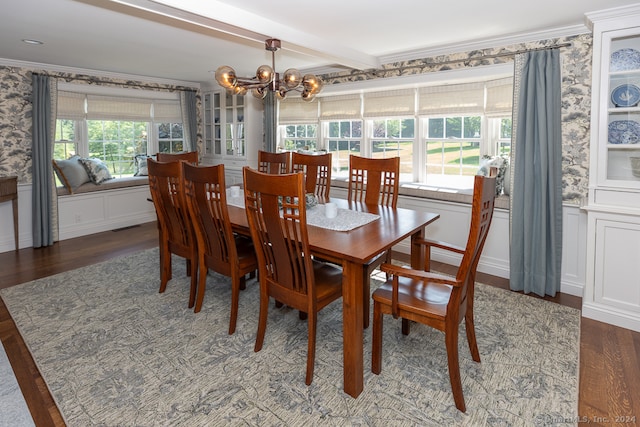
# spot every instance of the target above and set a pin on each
(140, 163)
(96, 169)
(496, 161)
(71, 173)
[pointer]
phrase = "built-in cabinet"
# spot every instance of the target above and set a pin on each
(612, 289)
(233, 130)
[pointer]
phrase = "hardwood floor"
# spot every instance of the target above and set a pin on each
(609, 391)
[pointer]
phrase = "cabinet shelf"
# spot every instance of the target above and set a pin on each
(623, 110)
(623, 147)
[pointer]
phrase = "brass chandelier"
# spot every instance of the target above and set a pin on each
(267, 79)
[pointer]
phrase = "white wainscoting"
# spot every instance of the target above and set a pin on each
(80, 214)
(90, 213)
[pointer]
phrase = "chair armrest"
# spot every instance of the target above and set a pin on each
(396, 270)
(441, 245)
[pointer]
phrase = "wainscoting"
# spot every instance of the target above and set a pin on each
(107, 210)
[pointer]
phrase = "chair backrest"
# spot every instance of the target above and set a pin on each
(274, 163)
(374, 181)
(317, 172)
(167, 193)
(205, 194)
(484, 197)
(280, 235)
(187, 156)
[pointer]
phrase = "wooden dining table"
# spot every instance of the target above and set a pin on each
(352, 249)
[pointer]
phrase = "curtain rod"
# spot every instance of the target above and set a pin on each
(128, 82)
(376, 71)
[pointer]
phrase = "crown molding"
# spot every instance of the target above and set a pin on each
(613, 13)
(485, 44)
(34, 66)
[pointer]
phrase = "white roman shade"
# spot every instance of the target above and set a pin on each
(341, 107)
(499, 98)
(462, 99)
(118, 108)
(389, 103)
(297, 111)
(167, 111)
(71, 105)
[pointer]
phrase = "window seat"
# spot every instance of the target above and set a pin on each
(429, 192)
(112, 184)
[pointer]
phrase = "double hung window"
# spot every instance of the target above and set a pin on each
(116, 128)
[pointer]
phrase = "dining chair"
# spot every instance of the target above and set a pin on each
(317, 172)
(276, 213)
(373, 182)
(188, 156)
(219, 249)
(176, 233)
(274, 163)
(436, 300)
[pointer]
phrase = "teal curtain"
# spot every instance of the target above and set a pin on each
(270, 122)
(536, 195)
(41, 155)
(188, 103)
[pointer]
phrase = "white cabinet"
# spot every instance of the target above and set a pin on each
(612, 291)
(233, 131)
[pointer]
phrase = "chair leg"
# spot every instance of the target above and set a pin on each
(302, 315)
(262, 322)
(243, 283)
(165, 267)
(235, 297)
(376, 339)
(202, 285)
(471, 336)
(311, 350)
(451, 340)
(194, 282)
(406, 326)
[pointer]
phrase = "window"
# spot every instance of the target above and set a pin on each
(116, 128)
(300, 137)
(394, 137)
(440, 130)
(344, 139)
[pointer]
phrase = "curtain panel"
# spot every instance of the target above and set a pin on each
(536, 196)
(44, 198)
(189, 115)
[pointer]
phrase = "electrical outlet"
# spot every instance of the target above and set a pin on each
(78, 218)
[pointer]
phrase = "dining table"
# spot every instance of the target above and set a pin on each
(352, 249)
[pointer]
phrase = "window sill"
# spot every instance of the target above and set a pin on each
(435, 193)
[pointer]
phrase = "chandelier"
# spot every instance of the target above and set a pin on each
(267, 79)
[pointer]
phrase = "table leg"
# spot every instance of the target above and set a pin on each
(353, 344)
(417, 251)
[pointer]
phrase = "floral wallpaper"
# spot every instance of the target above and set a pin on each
(576, 95)
(15, 103)
(16, 108)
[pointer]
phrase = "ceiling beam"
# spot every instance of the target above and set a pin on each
(247, 25)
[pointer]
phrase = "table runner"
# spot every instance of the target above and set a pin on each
(345, 220)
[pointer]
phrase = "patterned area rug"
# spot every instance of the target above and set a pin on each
(115, 352)
(13, 408)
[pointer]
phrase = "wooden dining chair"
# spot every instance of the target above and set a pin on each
(373, 182)
(219, 249)
(317, 172)
(187, 156)
(176, 233)
(436, 300)
(287, 272)
(274, 163)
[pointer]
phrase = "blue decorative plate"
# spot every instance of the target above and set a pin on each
(625, 96)
(625, 59)
(624, 132)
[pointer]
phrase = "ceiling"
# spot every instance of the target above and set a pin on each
(185, 39)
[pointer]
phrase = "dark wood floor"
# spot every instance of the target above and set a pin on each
(609, 356)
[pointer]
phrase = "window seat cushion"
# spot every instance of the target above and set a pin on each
(111, 184)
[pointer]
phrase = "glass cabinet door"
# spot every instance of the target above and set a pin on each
(621, 156)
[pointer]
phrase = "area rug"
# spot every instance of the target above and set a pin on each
(115, 352)
(14, 411)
